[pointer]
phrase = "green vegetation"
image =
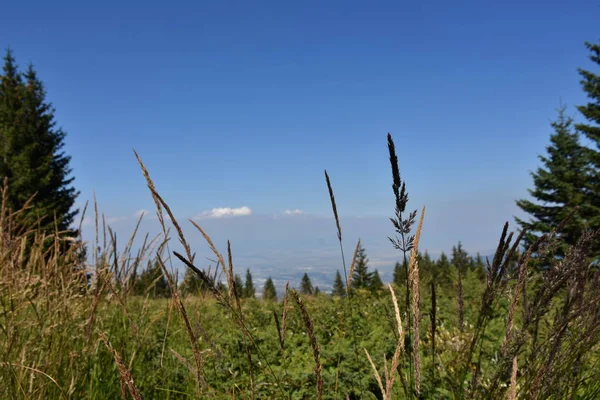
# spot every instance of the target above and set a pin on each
(306, 286)
(457, 327)
(269, 291)
(569, 181)
(31, 157)
(249, 291)
(562, 185)
(338, 285)
(65, 339)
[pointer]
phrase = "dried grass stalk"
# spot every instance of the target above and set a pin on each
(375, 372)
(334, 207)
(310, 330)
(512, 392)
(234, 296)
(349, 281)
(399, 347)
(124, 373)
(416, 309)
(188, 326)
(158, 200)
(284, 316)
(228, 275)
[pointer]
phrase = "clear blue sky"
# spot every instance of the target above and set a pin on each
(239, 103)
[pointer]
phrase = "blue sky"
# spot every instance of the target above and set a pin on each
(243, 104)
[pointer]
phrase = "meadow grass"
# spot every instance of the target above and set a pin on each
(530, 329)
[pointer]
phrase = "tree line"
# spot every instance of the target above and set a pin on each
(447, 272)
(565, 194)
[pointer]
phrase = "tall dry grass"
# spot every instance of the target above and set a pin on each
(61, 319)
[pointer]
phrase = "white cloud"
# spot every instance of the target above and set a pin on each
(141, 212)
(294, 212)
(222, 212)
(114, 220)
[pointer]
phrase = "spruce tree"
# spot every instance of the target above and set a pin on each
(560, 186)
(400, 274)
(11, 85)
(339, 289)
(317, 291)
(460, 258)
(239, 286)
(249, 290)
(361, 279)
(426, 267)
(306, 286)
(376, 283)
(478, 266)
(590, 83)
(192, 284)
(32, 155)
(152, 281)
(442, 267)
(269, 291)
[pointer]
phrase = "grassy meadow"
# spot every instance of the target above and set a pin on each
(75, 330)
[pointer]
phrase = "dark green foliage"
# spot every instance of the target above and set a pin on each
(460, 261)
(306, 286)
(478, 266)
(590, 83)
(444, 274)
(427, 268)
(569, 180)
(152, 282)
(192, 284)
(460, 258)
(400, 274)
(239, 286)
(249, 291)
(269, 291)
(339, 289)
(376, 284)
(32, 155)
(317, 291)
(560, 186)
(362, 278)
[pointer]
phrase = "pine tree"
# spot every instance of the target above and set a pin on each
(239, 286)
(400, 274)
(269, 291)
(249, 291)
(192, 284)
(376, 283)
(152, 281)
(361, 279)
(442, 267)
(427, 268)
(560, 186)
(317, 291)
(32, 151)
(590, 84)
(339, 289)
(478, 266)
(460, 258)
(306, 286)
